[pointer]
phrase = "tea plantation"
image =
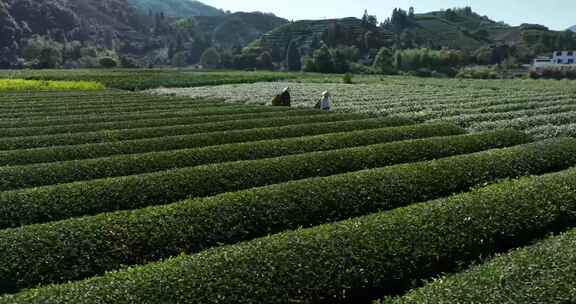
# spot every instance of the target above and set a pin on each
(120, 197)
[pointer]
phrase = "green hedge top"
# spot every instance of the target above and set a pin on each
(73, 152)
(345, 262)
(542, 273)
(82, 247)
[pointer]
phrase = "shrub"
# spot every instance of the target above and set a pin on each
(62, 153)
(201, 110)
(35, 205)
(347, 78)
(53, 173)
(27, 142)
(186, 117)
(542, 273)
(108, 63)
(478, 73)
(210, 59)
(131, 237)
(345, 261)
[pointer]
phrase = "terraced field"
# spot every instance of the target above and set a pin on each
(543, 109)
(115, 197)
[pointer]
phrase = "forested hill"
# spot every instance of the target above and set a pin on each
(177, 8)
(77, 33)
(99, 21)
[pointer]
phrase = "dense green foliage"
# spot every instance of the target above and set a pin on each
(293, 57)
(26, 206)
(542, 273)
(345, 261)
(177, 8)
(192, 116)
(62, 172)
(27, 142)
(139, 236)
(62, 153)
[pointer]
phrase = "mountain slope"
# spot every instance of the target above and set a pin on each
(238, 29)
(573, 28)
(97, 21)
(176, 8)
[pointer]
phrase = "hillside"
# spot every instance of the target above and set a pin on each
(176, 8)
(460, 32)
(573, 28)
(309, 34)
(97, 21)
(238, 29)
(462, 28)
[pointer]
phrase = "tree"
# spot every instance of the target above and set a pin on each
(43, 53)
(323, 61)
(308, 65)
(293, 57)
(210, 58)
(180, 59)
(107, 62)
(369, 20)
(265, 61)
(411, 12)
(384, 61)
(483, 55)
(340, 61)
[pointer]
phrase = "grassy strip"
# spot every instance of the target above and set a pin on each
(63, 172)
(99, 118)
(387, 253)
(542, 273)
(63, 153)
(11, 85)
(148, 123)
(49, 203)
(27, 142)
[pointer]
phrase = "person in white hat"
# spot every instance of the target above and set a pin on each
(325, 103)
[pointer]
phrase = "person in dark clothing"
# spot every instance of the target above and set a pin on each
(283, 99)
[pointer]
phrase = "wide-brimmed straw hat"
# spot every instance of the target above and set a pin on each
(325, 93)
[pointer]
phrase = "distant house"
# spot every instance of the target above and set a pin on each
(564, 57)
(560, 60)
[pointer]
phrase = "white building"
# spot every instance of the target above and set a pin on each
(564, 57)
(559, 60)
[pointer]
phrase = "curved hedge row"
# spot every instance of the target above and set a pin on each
(83, 247)
(142, 103)
(115, 117)
(340, 262)
(132, 109)
(63, 172)
(128, 110)
(27, 142)
(42, 204)
(63, 153)
(543, 273)
(64, 97)
(94, 103)
(148, 123)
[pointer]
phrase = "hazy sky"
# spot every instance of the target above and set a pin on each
(556, 14)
